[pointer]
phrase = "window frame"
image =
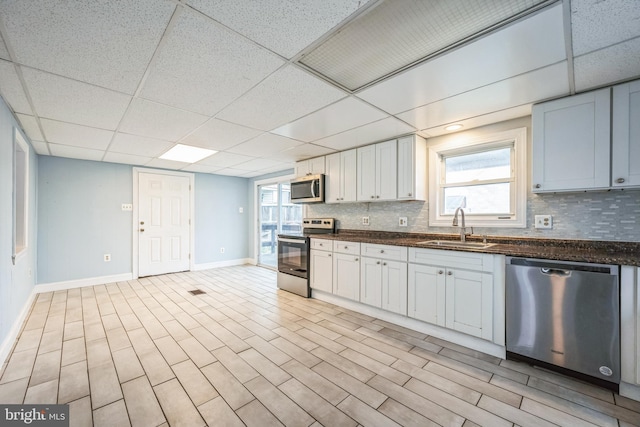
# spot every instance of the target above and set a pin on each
(20, 201)
(461, 146)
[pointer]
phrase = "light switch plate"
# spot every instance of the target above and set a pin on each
(544, 221)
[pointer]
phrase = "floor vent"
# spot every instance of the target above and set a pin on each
(197, 292)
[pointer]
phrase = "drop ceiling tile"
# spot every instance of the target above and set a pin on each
(265, 144)
(527, 45)
(125, 143)
(153, 120)
(219, 135)
(71, 101)
(30, 126)
(286, 27)
(251, 174)
(127, 159)
(259, 164)
(232, 172)
(346, 114)
(105, 43)
(204, 66)
(166, 164)
(11, 89)
(301, 152)
(596, 24)
(596, 68)
(201, 168)
(527, 88)
(377, 131)
(40, 147)
(286, 95)
(486, 119)
(76, 152)
(225, 160)
(76, 135)
(4, 53)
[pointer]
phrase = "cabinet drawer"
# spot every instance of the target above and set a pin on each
(322, 244)
(343, 247)
(393, 253)
(464, 260)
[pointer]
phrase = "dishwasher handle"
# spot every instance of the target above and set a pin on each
(555, 272)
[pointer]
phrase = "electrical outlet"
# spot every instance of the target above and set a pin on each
(127, 207)
(543, 221)
(402, 221)
(221, 250)
(107, 257)
(365, 220)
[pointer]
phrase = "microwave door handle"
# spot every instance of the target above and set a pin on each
(313, 192)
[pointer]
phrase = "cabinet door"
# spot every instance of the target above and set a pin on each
(394, 286)
(321, 274)
(366, 173)
(302, 168)
(346, 276)
(387, 170)
(316, 166)
(571, 143)
(333, 180)
(626, 136)
(412, 168)
(426, 293)
(470, 302)
(348, 169)
(371, 281)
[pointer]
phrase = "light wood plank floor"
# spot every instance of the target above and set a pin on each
(148, 353)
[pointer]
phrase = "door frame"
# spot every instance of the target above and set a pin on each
(134, 221)
(256, 210)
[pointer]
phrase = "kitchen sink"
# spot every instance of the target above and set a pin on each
(456, 244)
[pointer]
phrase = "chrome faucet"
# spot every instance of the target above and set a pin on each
(463, 228)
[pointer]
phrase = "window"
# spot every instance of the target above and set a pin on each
(484, 176)
(20, 194)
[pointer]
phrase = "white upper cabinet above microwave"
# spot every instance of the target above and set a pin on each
(589, 141)
(571, 143)
(626, 136)
(313, 166)
(340, 183)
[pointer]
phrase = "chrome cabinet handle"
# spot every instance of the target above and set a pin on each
(346, 247)
(381, 251)
(384, 263)
(440, 271)
(620, 180)
(356, 259)
(142, 230)
(538, 185)
(377, 262)
(449, 273)
(373, 197)
(377, 197)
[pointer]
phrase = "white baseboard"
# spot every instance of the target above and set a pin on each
(455, 337)
(218, 264)
(7, 344)
(79, 283)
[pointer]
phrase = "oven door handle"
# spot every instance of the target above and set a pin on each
(297, 241)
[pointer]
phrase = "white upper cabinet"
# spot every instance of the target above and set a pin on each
(571, 143)
(313, 166)
(377, 172)
(412, 168)
(625, 163)
(340, 184)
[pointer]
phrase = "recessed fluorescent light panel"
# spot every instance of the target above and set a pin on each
(453, 127)
(399, 33)
(187, 153)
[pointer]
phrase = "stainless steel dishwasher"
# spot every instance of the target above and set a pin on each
(565, 316)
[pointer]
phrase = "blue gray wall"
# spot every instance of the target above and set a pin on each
(81, 219)
(16, 282)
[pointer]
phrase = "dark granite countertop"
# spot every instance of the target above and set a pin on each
(595, 251)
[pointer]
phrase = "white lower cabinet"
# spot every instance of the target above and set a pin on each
(321, 274)
(346, 276)
(456, 298)
(383, 281)
(371, 284)
(394, 286)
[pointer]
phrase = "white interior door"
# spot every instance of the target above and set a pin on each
(164, 224)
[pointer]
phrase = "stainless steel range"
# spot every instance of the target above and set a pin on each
(293, 255)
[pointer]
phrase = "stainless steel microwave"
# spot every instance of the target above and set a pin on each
(308, 189)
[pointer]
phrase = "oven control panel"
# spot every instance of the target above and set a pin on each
(318, 223)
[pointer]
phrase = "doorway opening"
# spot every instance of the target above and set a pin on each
(276, 214)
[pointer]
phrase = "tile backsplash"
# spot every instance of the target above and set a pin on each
(611, 215)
